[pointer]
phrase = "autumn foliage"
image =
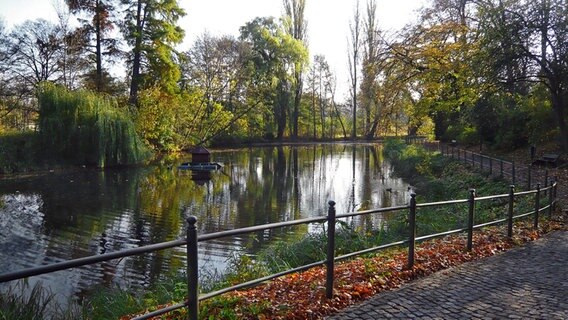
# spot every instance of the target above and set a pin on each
(302, 295)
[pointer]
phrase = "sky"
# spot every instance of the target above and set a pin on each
(328, 21)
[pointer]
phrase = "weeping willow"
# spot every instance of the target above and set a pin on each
(86, 128)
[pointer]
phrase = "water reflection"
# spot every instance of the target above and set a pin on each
(56, 217)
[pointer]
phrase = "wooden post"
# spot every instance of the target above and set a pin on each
(546, 181)
(501, 168)
(555, 193)
(330, 262)
(529, 182)
(470, 219)
(192, 270)
(412, 230)
(510, 213)
(513, 173)
(537, 206)
(550, 200)
(491, 166)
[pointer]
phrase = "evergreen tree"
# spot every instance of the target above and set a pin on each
(96, 35)
(150, 29)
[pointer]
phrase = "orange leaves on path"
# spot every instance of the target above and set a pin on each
(302, 295)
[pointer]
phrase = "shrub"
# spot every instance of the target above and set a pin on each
(469, 136)
(18, 151)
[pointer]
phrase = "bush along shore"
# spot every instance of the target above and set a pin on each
(302, 295)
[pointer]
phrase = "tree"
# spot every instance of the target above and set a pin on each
(33, 53)
(216, 66)
(150, 29)
(296, 26)
(439, 54)
(312, 80)
(535, 32)
(96, 34)
(86, 128)
(370, 69)
(353, 59)
(73, 61)
(273, 54)
(5, 89)
(322, 69)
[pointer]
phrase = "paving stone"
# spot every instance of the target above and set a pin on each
(530, 282)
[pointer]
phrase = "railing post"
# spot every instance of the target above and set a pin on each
(510, 213)
(529, 182)
(330, 262)
(470, 219)
(192, 270)
(545, 181)
(481, 162)
(412, 230)
(513, 173)
(537, 205)
(550, 199)
(555, 193)
(491, 166)
(501, 163)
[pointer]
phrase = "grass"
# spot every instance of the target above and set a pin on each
(24, 303)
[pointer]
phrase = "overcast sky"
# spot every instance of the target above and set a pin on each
(328, 21)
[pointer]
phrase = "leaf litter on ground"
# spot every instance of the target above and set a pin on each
(303, 295)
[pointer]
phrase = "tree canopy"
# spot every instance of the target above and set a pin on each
(493, 72)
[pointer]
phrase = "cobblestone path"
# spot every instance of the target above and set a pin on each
(529, 282)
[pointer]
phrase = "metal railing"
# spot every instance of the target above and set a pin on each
(192, 239)
(527, 176)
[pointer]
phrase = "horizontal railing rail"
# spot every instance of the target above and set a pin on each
(262, 227)
(64, 265)
(192, 239)
(364, 212)
(526, 176)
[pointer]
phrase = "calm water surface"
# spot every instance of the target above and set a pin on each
(60, 216)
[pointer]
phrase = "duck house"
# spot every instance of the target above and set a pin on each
(200, 155)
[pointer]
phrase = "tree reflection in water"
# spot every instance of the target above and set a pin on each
(61, 216)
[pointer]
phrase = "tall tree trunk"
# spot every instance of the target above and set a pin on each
(98, 50)
(371, 133)
(296, 27)
(281, 106)
(354, 130)
(355, 29)
(297, 100)
(314, 112)
(135, 81)
(322, 112)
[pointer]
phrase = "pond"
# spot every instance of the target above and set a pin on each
(54, 217)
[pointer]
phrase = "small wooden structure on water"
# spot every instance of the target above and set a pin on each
(200, 160)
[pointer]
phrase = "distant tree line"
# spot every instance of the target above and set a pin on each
(491, 71)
